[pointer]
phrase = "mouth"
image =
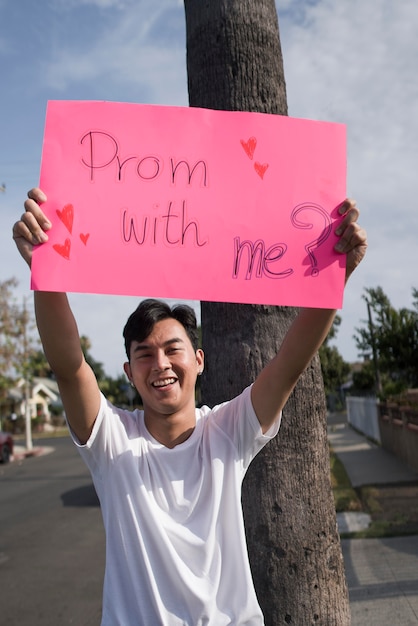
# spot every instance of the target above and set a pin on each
(163, 383)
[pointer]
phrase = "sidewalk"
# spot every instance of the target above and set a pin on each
(365, 462)
(382, 579)
(382, 574)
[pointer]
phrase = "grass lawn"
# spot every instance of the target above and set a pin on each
(393, 509)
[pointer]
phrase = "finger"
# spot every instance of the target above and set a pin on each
(37, 194)
(23, 241)
(29, 228)
(353, 237)
(347, 205)
(351, 214)
(20, 230)
(33, 208)
(345, 237)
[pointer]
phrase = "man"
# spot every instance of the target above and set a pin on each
(169, 477)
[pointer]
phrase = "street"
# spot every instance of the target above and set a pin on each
(52, 549)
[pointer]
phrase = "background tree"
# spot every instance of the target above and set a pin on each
(16, 346)
(335, 370)
(8, 336)
(17, 343)
(22, 357)
(364, 380)
(393, 335)
(234, 62)
(117, 390)
(39, 366)
(96, 366)
(120, 392)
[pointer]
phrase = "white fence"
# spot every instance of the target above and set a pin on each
(362, 414)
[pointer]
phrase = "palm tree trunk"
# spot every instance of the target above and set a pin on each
(234, 62)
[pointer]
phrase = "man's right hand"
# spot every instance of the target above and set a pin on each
(31, 229)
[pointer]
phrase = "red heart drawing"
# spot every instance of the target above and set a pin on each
(67, 216)
(84, 237)
(261, 168)
(249, 146)
(63, 250)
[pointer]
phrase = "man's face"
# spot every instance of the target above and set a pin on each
(164, 368)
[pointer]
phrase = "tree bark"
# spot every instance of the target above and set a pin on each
(234, 62)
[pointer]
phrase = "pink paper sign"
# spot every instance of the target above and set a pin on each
(191, 203)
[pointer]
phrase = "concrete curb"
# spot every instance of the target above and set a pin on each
(20, 452)
(351, 522)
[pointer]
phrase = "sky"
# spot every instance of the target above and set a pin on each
(351, 62)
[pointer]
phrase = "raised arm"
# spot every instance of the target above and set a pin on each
(58, 329)
(307, 333)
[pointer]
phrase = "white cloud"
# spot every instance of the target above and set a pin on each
(353, 62)
(100, 4)
(138, 49)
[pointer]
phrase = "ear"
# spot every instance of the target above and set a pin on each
(200, 359)
(128, 371)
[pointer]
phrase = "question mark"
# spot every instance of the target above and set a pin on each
(315, 243)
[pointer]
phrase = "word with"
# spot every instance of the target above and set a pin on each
(103, 152)
(169, 228)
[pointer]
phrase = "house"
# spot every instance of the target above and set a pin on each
(43, 395)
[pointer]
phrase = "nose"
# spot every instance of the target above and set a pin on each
(161, 361)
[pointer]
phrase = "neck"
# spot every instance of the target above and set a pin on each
(170, 430)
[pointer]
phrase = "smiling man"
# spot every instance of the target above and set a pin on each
(169, 477)
(164, 361)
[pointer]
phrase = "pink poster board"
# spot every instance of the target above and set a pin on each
(191, 203)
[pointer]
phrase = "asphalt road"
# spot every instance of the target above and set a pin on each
(51, 541)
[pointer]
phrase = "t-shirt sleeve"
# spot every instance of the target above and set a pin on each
(107, 438)
(239, 422)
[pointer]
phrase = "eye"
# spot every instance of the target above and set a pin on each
(143, 356)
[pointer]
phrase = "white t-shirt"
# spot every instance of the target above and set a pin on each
(175, 544)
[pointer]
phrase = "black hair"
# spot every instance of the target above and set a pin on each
(141, 322)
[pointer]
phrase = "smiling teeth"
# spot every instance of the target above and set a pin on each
(163, 383)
